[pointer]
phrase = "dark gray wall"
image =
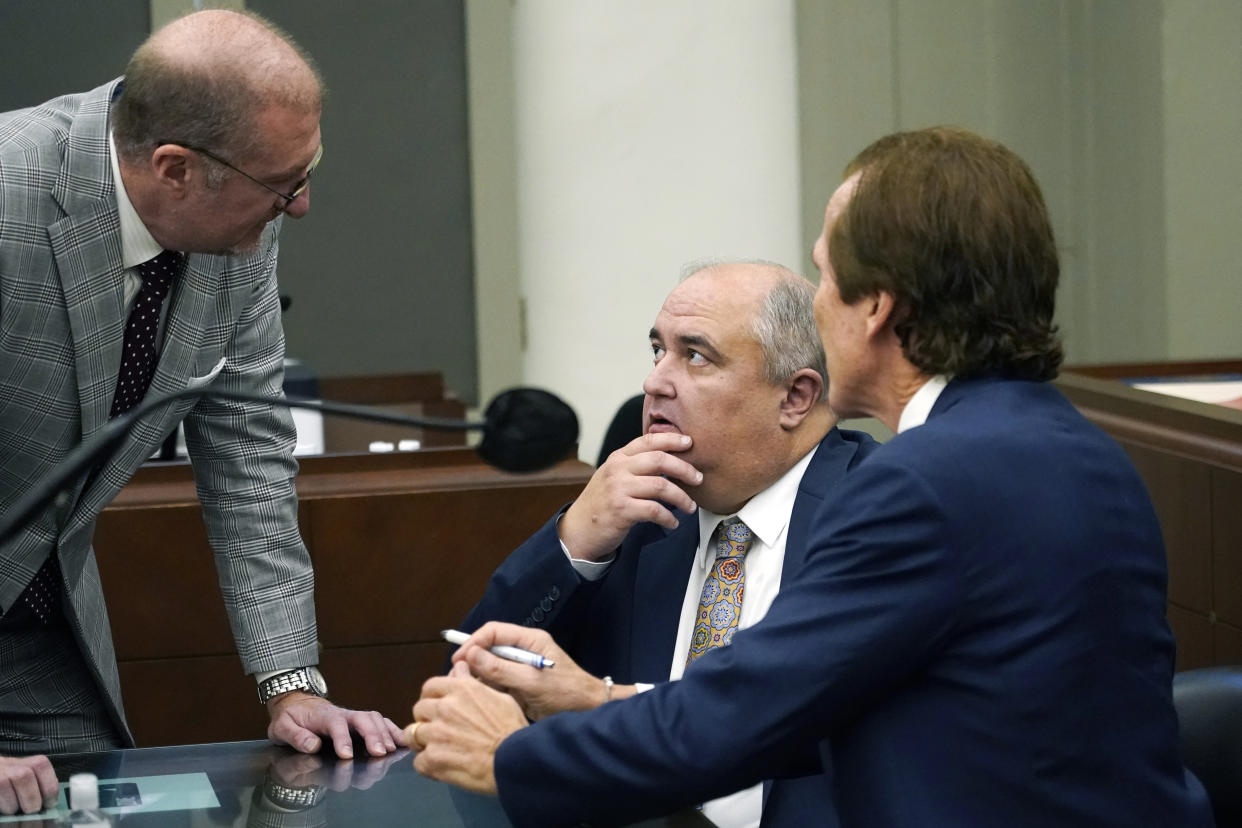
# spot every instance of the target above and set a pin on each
(380, 271)
(53, 47)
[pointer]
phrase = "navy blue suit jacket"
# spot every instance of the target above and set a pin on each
(625, 624)
(978, 626)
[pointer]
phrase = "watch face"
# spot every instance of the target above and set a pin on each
(317, 680)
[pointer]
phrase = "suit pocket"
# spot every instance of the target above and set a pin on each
(205, 380)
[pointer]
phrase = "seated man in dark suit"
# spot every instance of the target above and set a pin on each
(979, 639)
(736, 423)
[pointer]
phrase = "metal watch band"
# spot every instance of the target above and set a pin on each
(300, 679)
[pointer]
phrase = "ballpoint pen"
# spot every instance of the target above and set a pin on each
(503, 650)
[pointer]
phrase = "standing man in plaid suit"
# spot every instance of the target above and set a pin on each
(195, 155)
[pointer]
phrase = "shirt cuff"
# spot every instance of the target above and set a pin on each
(587, 570)
(262, 677)
(643, 687)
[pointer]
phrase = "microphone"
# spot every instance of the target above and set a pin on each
(527, 429)
(524, 430)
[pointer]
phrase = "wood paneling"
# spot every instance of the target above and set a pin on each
(439, 547)
(185, 701)
(159, 575)
(385, 678)
(1227, 546)
(1227, 642)
(1194, 638)
(1182, 495)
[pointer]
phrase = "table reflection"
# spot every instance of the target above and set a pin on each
(260, 784)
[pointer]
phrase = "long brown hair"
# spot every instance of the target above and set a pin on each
(953, 226)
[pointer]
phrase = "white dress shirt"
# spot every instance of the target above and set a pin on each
(920, 405)
(137, 243)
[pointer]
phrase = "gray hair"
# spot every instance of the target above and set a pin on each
(784, 325)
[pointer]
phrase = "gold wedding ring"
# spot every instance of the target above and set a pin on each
(410, 731)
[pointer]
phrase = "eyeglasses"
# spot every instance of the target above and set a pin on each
(288, 197)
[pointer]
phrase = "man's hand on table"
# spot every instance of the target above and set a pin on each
(299, 720)
(28, 784)
(539, 692)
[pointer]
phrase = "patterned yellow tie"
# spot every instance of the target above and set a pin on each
(720, 604)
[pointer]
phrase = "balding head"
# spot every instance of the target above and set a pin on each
(204, 79)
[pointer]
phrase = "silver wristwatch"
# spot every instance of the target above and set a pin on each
(306, 679)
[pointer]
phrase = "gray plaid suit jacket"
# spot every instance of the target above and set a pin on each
(61, 326)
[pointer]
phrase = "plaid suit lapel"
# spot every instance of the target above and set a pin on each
(88, 257)
(86, 245)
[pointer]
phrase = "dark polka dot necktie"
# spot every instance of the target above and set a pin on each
(138, 355)
(138, 359)
(720, 603)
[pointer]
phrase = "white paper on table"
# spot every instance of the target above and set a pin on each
(168, 792)
(1208, 392)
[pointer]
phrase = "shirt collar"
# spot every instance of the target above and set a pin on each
(916, 411)
(767, 513)
(137, 243)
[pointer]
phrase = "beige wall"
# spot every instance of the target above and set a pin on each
(493, 174)
(1202, 74)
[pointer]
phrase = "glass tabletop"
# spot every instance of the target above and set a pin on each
(260, 784)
